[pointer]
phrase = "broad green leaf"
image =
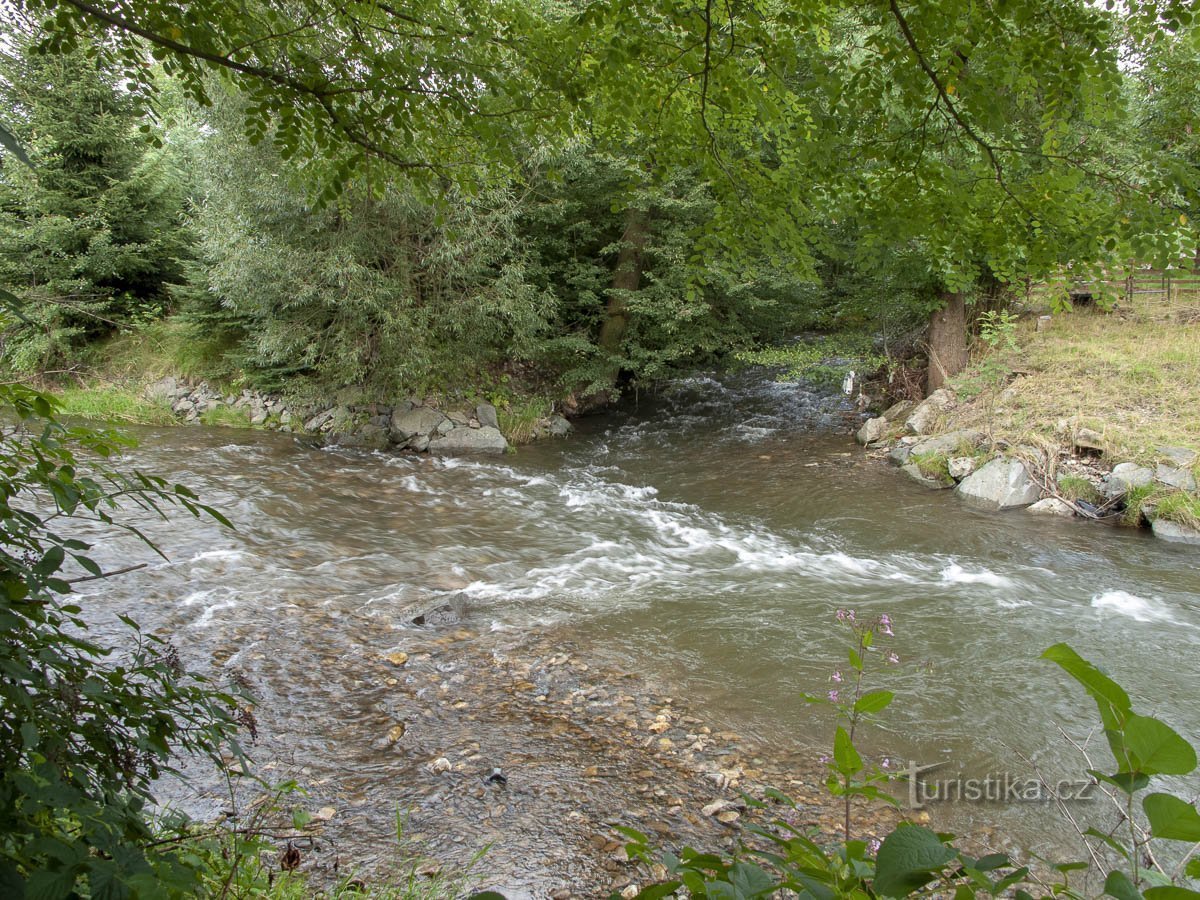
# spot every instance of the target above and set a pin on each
(1172, 818)
(873, 701)
(909, 858)
(1118, 885)
(845, 756)
(1156, 749)
(1110, 697)
(1171, 892)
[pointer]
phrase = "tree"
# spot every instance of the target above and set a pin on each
(91, 235)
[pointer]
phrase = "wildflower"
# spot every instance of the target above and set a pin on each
(886, 764)
(823, 759)
(836, 677)
(841, 615)
(892, 658)
(833, 696)
(873, 845)
(887, 629)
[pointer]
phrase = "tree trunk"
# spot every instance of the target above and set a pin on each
(947, 340)
(627, 277)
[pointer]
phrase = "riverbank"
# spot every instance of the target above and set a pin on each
(1092, 414)
(169, 376)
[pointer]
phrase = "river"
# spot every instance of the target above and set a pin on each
(700, 540)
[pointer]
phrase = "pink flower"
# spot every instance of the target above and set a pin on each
(887, 629)
(836, 677)
(823, 759)
(886, 764)
(873, 845)
(892, 659)
(833, 696)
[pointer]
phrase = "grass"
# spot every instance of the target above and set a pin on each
(226, 417)
(109, 403)
(1179, 507)
(166, 347)
(1135, 379)
(519, 418)
(1076, 487)
(933, 465)
(1135, 500)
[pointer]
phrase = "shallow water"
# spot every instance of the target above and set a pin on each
(704, 538)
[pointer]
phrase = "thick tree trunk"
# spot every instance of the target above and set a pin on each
(947, 340)
(627, 277)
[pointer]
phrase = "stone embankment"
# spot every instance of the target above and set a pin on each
(1066, 477)
(420, 425)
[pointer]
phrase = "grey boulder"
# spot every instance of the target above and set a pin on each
(484, 439)
(1001, 484)
(413, 423)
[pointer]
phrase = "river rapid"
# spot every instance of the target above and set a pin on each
(679, 560)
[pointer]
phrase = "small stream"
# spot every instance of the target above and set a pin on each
(702, 541)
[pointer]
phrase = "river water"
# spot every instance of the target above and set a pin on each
(703, 539)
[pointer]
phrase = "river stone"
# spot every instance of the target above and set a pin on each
(1125, 477)
(961, 466)
(1181, 479)
(873, 430)
(913, 472)
(897, 412)
(368, 437)
(1053, 506)
(948, 443)
(1002, 484)
(925, 416)
(411, 423)
(486, 414)
(470, 440)
(899, 454)
(1088, 439)
(1173, 531)
(559, 427)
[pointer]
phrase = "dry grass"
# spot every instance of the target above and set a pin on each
(1133, 378)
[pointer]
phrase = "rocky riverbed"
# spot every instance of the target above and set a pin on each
(523, 749)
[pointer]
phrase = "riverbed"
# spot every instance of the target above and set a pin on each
(679, 560)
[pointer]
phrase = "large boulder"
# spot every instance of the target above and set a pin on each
(1173, 531)
(1001, 484)
(484, 439)
(960, 467)
(559, 426)
(873, 431)
(413, 423)
(925, 417)
(1125, 477)
(900, 453)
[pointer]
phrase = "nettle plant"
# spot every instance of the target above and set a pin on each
(781, 859)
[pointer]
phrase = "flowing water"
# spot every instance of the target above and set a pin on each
(703, 539)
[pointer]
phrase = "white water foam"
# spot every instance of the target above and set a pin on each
(956, 574)
(1140, 609)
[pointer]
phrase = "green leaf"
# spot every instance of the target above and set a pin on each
(1129, 782)
(873, 701)
(1110, 697)
(1156, 748)
(909, 858)
(1171, 892)
(1118, 885)
(845, 756)
(46, 884)
(1172, 818)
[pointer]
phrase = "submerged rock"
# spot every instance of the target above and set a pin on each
(1002, 484)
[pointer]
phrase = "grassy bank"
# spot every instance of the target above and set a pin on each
(108, 384)
(1132, 376)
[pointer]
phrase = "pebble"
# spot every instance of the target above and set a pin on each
(397, 659)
